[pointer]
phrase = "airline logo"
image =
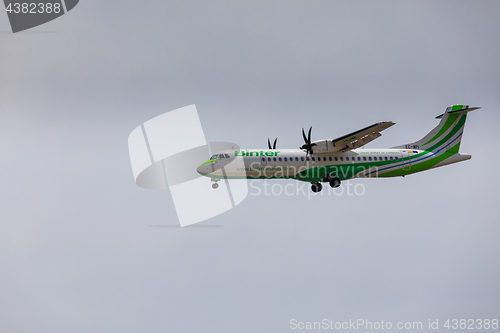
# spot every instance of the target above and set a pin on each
(256, 153)
(26, 14)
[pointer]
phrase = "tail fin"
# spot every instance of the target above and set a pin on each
(447, 134)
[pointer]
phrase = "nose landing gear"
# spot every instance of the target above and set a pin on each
(215, 185)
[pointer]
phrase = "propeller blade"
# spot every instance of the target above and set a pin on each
(269, 143)
(308, 145)
(274, 145)
(304, 135)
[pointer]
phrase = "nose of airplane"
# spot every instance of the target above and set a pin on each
(204, 169)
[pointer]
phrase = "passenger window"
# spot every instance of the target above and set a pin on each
(336, 158)
(341, 158)
(390, 158)
(330, 158)
(385, 158)
(307, 158)
(302, 159)
(285, 159)
(313, 159)
(274, 159)
(375, 158)
(359, 158)
(279, 158)
(347, 158)
(396, 158)
(324, 159)
(296, 159)
(369, 158)
(364, 158)
(269, 159)
(263, 159)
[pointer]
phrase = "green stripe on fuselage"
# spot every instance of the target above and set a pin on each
(207, 162)
(420, 166)
(342, 171)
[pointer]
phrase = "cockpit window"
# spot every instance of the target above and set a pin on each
(216, 156)
(226, 156)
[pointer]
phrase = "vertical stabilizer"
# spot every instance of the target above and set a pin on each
(447, 134)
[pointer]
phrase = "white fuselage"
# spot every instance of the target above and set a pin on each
(285, 163)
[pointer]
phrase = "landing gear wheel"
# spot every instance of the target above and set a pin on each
(316, 187)
(335, 182)
(215, 186)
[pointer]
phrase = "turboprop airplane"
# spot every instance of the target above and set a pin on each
(333, 161)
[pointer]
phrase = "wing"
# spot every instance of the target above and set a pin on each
(352, 140)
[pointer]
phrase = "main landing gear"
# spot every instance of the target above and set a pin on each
(334, 182)
(317, 187)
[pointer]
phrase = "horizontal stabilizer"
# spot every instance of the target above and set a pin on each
(465, 108)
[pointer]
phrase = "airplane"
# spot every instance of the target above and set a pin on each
(343, 158)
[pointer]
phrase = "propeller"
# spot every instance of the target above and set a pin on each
(269, 143)
(308, 145)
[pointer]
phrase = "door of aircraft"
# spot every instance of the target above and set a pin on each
(406, 160)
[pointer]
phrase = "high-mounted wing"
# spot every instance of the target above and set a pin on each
(352, 140)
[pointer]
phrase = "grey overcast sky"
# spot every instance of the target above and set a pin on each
(78, 252)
